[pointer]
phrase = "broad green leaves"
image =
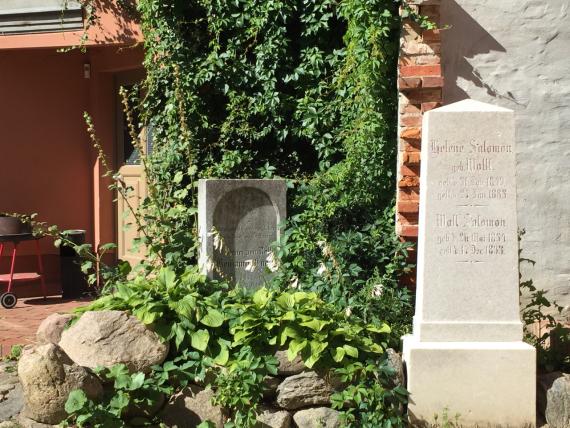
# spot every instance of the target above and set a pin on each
(200, 339)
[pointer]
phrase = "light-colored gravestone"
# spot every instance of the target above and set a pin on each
(238, 220)
(466, 353)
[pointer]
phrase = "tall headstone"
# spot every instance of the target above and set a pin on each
(466, 353)
(238, 220)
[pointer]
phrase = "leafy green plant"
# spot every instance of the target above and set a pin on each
(446, 421)
(541, 328)
(368, 400)
(15, 353)
(240, 387)
(227, 338)
(305, 325)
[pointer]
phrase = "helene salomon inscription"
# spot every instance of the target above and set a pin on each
(238, 222)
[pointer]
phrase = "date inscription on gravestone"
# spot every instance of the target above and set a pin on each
(239, 220)
(467, 231)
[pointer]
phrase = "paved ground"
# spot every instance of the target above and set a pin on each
(19, 325)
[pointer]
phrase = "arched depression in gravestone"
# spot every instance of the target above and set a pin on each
(247, 221)
(246, 214)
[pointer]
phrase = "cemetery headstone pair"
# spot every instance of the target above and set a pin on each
(466, 354)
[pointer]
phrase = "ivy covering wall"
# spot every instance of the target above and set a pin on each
(299, 89)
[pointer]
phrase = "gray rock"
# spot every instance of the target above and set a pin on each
(395, 363)
(191, 408)
(11, 403)
(320, 417)
(273, 418)
(47, 376)
(270, 385)
(286, 367)
(9, 424)
(25, 422)
(558, 402)
(106, 338)
(52, 327)
(302, 390)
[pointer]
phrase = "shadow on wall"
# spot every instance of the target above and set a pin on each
(464, 40)
(126, 16)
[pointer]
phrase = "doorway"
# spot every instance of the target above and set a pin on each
(131, 170)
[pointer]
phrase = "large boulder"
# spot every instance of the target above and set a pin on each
(286, 367)
(47, 376)
(302, 390)
(273, 418)
(106, 338)
(52, 327)
(321, 417)
(558, 402)
(192, 407)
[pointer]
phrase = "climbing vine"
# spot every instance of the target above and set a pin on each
(297, 89)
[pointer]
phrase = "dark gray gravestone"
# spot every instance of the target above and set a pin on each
(238, 220)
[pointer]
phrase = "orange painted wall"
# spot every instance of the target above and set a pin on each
(113, 26)
(47, 163)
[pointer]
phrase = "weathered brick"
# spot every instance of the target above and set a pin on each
(411, 120)
(409, 194)
(432, 82)
(410, 145)
(423, 96)
(411, 133)
(407, 170)
(431, 35)
(420, 70)
(406, 107)
(408, 181)
(423, 2)
(411, 158)
(409, 83)
(408, 207)
(411, 32)
(407, 230)
(430, 10)
(430, 106)
(418, 48)
(427, 59)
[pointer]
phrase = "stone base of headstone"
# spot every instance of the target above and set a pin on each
(488, 384)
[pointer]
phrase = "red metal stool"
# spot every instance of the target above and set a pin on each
(9, 299)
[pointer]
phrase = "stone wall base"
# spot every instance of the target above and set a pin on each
(490, 384)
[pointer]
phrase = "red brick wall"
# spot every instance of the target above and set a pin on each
(420, 83)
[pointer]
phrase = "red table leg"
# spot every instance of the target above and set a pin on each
(12, 266)
(41, 268)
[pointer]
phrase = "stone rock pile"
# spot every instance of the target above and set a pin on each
(62, 360)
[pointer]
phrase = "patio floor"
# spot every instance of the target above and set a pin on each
(18, 325)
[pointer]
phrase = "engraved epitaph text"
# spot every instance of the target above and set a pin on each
(246, 217)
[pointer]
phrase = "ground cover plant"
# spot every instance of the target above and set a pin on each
(230, 337)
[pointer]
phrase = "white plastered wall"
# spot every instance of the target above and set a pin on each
(516, 54)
